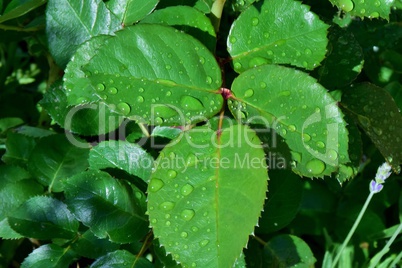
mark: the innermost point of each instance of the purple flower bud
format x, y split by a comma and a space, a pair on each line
375, 187
383, 172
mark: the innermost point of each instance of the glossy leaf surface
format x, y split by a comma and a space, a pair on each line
166, 87
70, 23
203, 186
43, 217
49, 256
278, 31
122, 155
121, 259
131, 11
370, 9
300, 110
112, 208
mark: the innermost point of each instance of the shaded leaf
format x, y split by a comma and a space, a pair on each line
90, 246
44, 217
70, 23
87, 119
376, 112
165, 259
204, 186
395, 90
6, 232
166, 87
283, 201
241, 5
288, 251
278, 31
15, 9
49, 256
121, 259
9, 122
131, 11
344, 60
202, 5
122, 155
111, 208
187, 19
369, 9
18, 148
297, 108
55, 158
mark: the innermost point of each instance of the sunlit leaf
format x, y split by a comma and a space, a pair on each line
297, 108
121, 259
131, 11
143, 83
370, 9
205, 184
277, 31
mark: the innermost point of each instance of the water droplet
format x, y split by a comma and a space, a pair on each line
186, 189
257, 61
187, 214
364, 121
233, 39
190, 103
249, 92
306, 137
377, 3
112, 90
320, 144
346, 5
140, 90
124, 108
183, 234
168, 67
270, 53
377, 131
172, 174
332, 154
167, 223
305, 64
362, 11
237, 65
208, 80
374, 15
164, 111
315, 166
155, 185
298, 54
168, 93
266, 34
194, 229
283, 131
202, 60
166, 206
285, 93
255, 21
82, 100
204, 242
317, 110
154, 221
100, 87
158, 121
140, 99
292, 128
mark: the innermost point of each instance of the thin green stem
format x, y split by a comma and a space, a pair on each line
144, 130
216, 13
374, 261
19, 29
353, 229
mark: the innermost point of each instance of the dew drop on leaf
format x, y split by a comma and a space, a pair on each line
100, 87
292, 128
306, 137
208, 80
320, 144
346, 5
249, 93
255, 21
237, 65
158, 121
187, 189
172, 174
204, 242
187, 214
183, 234
155, 185
190, 103
113, 90
257, 61
123, 108
315, 166
166, 206
332, 154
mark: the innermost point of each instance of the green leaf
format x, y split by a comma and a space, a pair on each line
18, 148
49, 256
87, 119
368, 9
15, 9
9, 122
121, 259
297, 108
122, 155
44, 217
376, 112
344, 58
166, 132
283, 201
70, 23
395, 90
131, 11
202, 5
55, 158
241, 5
149, 81
204, 185
90, 246
280, 32
187, 19
288, 251
6, 232
34, 132
164, 258
109, 207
